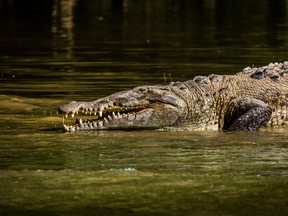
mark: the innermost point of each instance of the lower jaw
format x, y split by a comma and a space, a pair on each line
93, 125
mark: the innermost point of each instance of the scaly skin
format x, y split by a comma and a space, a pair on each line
248, 100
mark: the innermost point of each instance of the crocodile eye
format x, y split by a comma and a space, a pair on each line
142, 90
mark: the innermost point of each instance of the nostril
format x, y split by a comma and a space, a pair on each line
60, 111
69, 107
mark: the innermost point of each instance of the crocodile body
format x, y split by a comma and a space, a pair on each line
248, 100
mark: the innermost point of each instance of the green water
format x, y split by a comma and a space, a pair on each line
83, 50
144, 172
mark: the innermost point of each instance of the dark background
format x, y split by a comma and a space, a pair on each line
110, 45
213, 21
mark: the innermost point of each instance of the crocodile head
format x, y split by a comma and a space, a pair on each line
144, 107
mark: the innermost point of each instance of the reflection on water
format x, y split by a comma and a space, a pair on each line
82, 50
62, 26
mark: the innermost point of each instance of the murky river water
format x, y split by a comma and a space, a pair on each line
83, 50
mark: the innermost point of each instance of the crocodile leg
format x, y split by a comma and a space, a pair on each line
247, 114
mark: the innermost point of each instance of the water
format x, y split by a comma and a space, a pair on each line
83, 50
144, 172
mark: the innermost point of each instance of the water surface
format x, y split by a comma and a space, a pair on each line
83, 50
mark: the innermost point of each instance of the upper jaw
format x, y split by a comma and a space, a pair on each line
114, 102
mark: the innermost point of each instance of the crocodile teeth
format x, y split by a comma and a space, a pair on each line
105, 115
100, 124
113, 115
66, 128
81, 123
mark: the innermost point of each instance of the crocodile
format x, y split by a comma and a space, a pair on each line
248, 100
